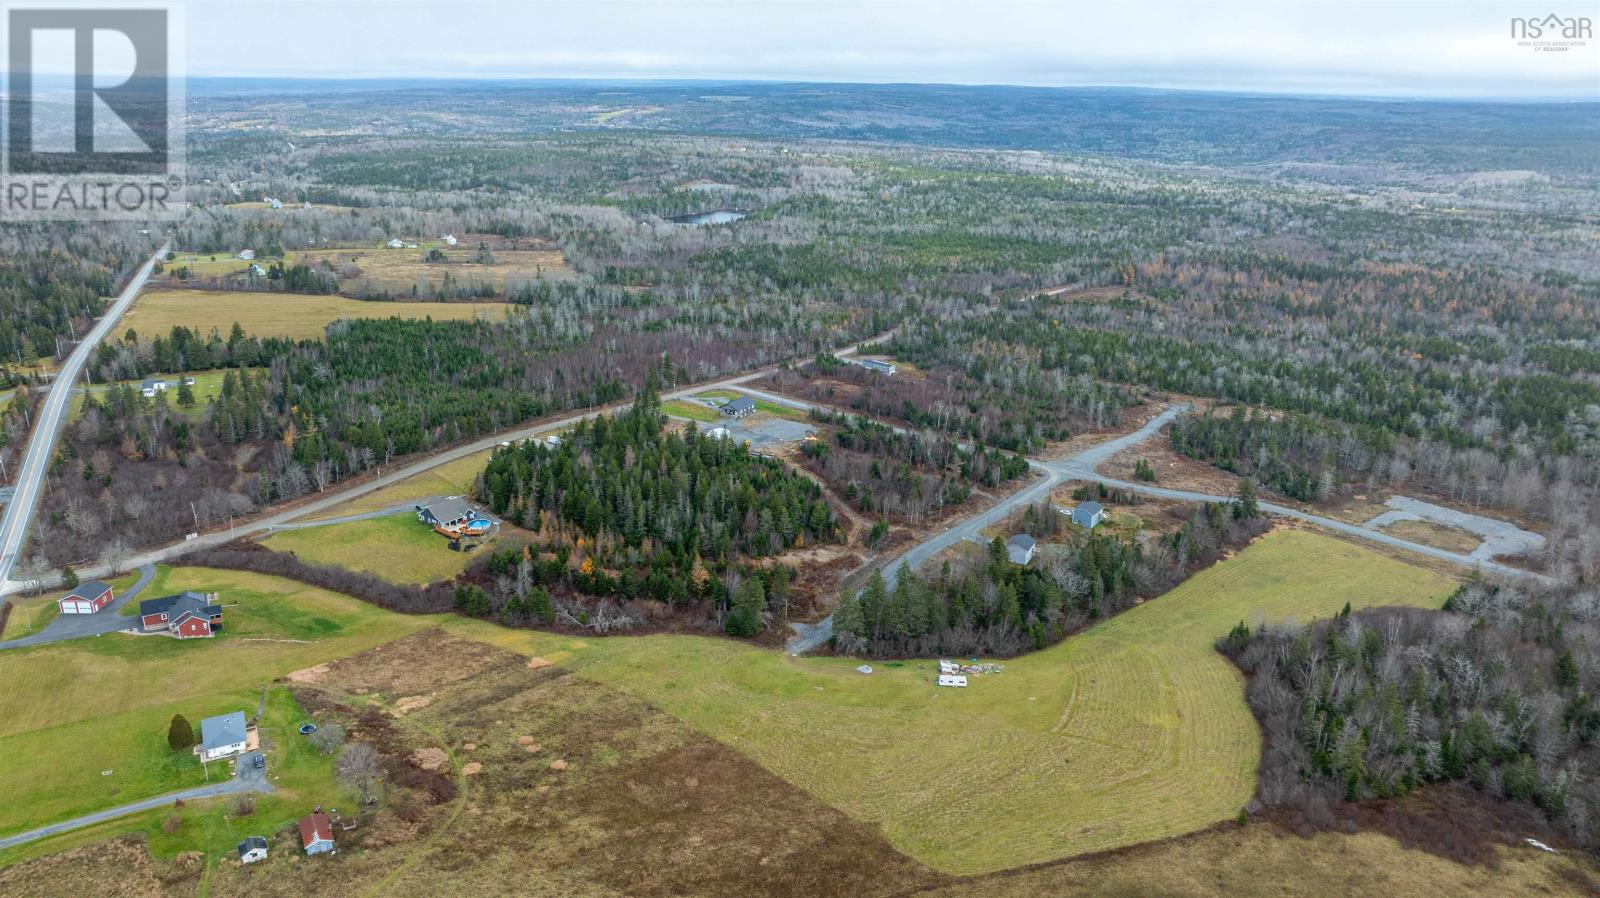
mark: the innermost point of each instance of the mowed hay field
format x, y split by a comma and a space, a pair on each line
1132, 731
294, 315
398, 547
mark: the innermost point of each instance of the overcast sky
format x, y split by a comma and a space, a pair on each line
1419, 48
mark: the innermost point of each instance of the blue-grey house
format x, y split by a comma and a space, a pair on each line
1089, 514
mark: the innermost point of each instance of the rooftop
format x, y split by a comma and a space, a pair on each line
222, 731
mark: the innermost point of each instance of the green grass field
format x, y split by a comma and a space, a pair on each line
687, 408
293, 315
453, 478
207, 386
1131, 731
398, 548
72, 710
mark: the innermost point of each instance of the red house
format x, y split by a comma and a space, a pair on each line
187, 615
87, 598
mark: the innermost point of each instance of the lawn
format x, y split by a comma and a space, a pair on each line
397, 547
454, 478
293, 315
207, 386
301, 776
691, 409
1132, 731
103, 703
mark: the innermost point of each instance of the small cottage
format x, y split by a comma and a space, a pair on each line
1020, 548
1089, 514
223, 736
252, 849
316, 833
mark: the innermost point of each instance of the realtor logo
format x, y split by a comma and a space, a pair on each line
93, 120
1552, 33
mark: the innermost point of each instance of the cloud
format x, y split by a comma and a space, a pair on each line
1424, 48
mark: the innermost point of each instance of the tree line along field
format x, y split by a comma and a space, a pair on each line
291, 315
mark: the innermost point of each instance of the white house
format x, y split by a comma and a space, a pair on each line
878, 365
396, 243
223, 736
719, 433
247, 254
257, 270
956, 680
449, 240
150, 387
252, 849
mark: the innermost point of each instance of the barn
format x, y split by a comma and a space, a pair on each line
87, 598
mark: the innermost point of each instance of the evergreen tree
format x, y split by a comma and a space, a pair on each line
180, 734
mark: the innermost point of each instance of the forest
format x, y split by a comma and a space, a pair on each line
903, 476
1496, 690
624, 509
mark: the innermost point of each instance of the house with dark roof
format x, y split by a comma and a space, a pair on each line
86, 598
252, 849
739, 406
1089, 514
223, 736
1020, 548
186, 615
449, 511
316, 833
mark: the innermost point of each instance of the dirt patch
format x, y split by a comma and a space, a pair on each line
412, 703
473, 768
431, 758
121, 867
558, 765
536, 662
413, 667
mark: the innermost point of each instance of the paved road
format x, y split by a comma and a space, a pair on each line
339, 496
52, 414
247, 779
77, 626
1085, 465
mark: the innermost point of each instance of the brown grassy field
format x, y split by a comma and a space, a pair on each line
567, 788
1437, 535
292, 315
378, 270
1263, 861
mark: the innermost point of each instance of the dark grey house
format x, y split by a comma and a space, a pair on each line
450, 511
739, 406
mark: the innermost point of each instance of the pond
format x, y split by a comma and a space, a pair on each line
721, 216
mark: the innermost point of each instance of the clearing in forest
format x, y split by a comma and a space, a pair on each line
294, 315
1134, 730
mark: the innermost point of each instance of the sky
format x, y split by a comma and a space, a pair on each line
1432, 48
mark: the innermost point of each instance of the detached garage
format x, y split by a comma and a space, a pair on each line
87, 598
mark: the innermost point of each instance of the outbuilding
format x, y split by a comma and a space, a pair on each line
1089, 514
958, 681
1020, 548
86, 598
316, 833
252, 849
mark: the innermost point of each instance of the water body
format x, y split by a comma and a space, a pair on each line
721, 216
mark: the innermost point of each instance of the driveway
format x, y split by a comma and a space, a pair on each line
77, 626
245, 779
